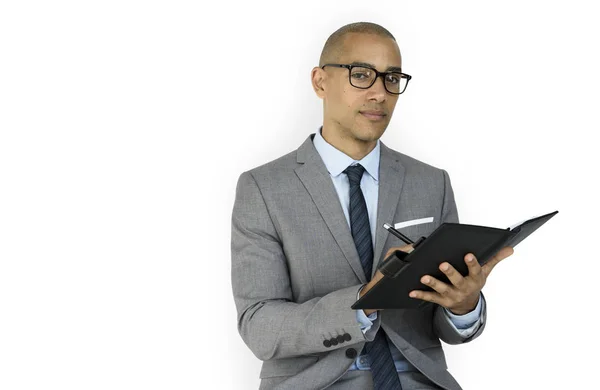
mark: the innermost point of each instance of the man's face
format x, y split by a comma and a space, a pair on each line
344, 104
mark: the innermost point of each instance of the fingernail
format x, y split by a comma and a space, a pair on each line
412, 294
444, 267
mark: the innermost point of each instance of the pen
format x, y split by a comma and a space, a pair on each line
396, 233
401, 236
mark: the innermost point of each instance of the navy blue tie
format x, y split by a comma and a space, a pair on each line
383, 369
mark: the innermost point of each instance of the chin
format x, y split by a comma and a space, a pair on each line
367, 137
369, 134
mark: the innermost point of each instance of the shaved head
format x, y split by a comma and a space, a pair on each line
334, 46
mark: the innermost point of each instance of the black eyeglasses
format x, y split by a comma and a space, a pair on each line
364, 77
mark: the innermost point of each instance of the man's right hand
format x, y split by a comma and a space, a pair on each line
378, 275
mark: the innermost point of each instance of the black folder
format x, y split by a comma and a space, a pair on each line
450, 242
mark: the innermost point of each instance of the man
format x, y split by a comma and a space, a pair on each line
307, 236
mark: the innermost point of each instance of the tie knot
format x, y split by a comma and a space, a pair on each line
354, 173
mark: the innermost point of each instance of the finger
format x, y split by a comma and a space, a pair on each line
498, 257
473, 265
507, 251
439, 286
388, 254
425, 296
453, 275
405, 248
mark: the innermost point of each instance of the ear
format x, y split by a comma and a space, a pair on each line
318, 77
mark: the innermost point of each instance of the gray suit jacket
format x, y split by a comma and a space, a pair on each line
296, 272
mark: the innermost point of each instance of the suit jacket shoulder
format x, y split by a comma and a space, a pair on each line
281, 167
409, 162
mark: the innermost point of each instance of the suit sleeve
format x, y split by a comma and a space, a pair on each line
442, 325
269, 321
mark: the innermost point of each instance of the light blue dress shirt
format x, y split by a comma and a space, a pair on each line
336, 162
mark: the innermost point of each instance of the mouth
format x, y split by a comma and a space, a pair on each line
373, 116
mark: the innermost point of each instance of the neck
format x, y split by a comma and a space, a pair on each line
347, 143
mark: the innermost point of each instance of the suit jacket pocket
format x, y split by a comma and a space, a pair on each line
288, 366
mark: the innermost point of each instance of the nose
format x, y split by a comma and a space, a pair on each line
377, 90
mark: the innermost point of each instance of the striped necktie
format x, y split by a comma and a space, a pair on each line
383, 369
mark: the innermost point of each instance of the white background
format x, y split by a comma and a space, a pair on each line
125, 125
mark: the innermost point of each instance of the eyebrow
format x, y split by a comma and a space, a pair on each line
389, 69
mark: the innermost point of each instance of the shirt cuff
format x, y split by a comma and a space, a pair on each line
467, 320
365, 321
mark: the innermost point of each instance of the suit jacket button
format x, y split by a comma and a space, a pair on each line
351, 353
341, 339
327, 343
347, 337
334, 341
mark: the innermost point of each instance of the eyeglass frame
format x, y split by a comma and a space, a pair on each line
377, 75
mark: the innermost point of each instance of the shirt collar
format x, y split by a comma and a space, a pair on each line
336, 161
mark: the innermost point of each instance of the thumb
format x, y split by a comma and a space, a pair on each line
405, 248
498, 257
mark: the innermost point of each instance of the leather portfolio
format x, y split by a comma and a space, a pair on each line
450, 242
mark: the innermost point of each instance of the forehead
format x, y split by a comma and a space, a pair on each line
382, 53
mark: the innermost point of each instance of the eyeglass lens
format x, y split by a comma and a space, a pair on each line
365, 77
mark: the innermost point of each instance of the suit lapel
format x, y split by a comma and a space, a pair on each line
316, 179
317, 182
391, 179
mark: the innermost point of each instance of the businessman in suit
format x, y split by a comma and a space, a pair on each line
307, 237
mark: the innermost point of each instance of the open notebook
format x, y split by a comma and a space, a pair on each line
449, 242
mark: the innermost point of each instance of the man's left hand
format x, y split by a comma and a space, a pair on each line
462, 295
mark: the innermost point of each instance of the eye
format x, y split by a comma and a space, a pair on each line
393, 78
360, 75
